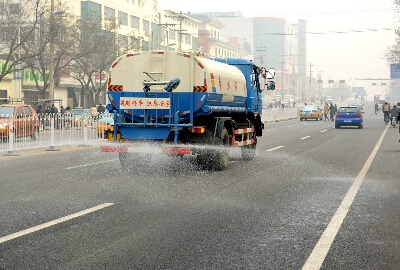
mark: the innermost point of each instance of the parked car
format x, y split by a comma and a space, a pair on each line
349, 116
24, 119
310, 112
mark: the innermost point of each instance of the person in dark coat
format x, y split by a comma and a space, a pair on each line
100, 108
332, 111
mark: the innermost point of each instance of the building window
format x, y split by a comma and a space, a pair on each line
195, 43
2, 9
109, 14
122, 18
123, 41
15, 9
146, 27
91, 11
172, 34
135, 22
154, 31
187, 39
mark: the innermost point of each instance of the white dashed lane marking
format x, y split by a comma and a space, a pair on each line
275, 148
52, 223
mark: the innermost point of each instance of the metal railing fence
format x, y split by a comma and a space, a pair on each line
51, 130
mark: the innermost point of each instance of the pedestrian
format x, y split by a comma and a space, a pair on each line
326, 111
393, 113
53, 109
376, 107
386, 111
62, 116
332, 111
100, 108
54, 114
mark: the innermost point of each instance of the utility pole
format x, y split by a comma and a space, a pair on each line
181, 18
319, 84
282, 75
51, 53
159, 31
310, 77
160, 35
180, 30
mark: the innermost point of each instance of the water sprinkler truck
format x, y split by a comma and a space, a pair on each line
186, 104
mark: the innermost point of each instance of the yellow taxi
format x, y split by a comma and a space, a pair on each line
310, 112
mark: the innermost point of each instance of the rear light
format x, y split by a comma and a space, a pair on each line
337, 115
200, 130
358, 115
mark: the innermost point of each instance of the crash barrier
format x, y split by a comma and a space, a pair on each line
279, 114
51, 130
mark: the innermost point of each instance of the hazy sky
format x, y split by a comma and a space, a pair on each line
336, 56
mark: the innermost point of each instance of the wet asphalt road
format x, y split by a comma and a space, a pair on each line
268, 213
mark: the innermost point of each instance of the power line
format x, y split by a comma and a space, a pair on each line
314, 33
337, 12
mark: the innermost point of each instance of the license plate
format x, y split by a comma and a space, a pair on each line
347, 121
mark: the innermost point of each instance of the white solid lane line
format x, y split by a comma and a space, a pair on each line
52, 223
90, 164
317, 256
275, 148
306, 137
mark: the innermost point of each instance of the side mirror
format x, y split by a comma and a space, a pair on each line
270, 73
270, 85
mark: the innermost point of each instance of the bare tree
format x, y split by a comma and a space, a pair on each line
63, 31
99, 49
393, 52
19, 24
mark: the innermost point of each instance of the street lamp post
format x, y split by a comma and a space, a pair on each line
51, 54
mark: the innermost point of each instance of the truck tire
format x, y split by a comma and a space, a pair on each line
249, 151
215, 159
221, 156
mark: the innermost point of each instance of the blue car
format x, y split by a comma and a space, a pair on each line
349, 116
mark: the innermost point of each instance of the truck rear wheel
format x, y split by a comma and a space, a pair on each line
215, 159
249, 151
221, 156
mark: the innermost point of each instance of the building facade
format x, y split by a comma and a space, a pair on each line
210, 41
